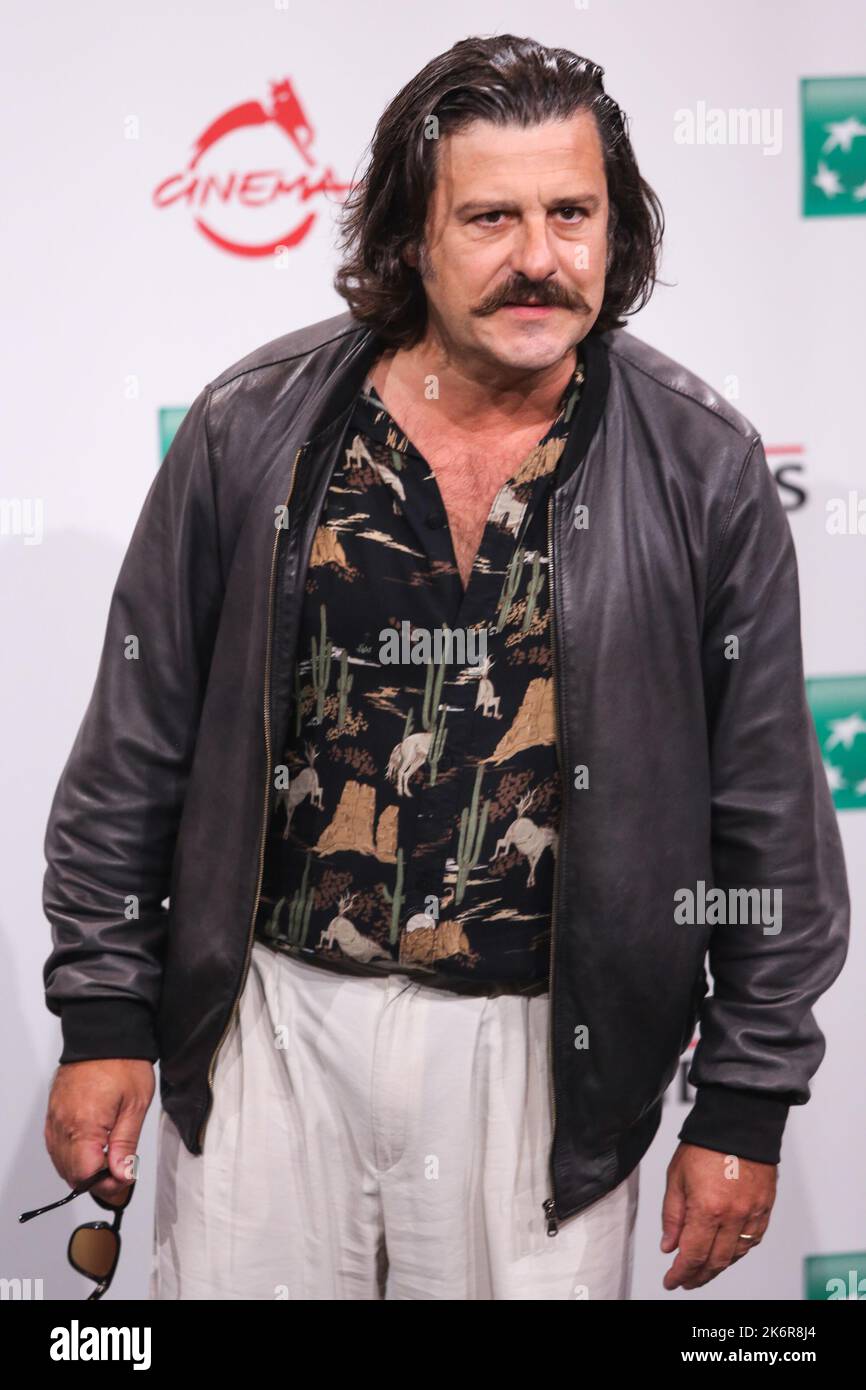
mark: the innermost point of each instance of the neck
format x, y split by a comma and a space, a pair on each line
474, 395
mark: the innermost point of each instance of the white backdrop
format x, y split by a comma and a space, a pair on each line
118, 307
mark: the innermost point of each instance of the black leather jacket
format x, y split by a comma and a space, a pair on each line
667, 538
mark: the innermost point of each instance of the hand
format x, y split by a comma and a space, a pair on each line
94, 1103
711, 1197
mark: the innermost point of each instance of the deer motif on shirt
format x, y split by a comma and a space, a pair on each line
526, 837
305, 784
350, 941
359, 453
406, 758
486, 695
507, 509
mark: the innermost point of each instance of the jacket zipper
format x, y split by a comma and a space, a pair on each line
267, 802
549, 1205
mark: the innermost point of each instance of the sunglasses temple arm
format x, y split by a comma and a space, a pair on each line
28, 1215
76, 1192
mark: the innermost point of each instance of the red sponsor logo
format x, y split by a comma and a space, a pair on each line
240, 205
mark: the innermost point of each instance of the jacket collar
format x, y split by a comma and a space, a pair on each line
593, 399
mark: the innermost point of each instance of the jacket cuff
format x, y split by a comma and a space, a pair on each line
746, 1123
96, 1028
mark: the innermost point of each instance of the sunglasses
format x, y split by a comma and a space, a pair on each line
94, 1246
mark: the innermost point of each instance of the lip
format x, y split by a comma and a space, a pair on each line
529, 311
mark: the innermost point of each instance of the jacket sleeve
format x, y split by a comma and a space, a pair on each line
774, 827
111, 832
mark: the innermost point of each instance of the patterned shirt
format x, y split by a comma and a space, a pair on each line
416, 818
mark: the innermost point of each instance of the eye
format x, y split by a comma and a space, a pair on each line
576, 215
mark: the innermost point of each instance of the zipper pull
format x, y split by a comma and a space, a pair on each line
550, 1211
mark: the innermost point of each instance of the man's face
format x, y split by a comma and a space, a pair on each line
517, 214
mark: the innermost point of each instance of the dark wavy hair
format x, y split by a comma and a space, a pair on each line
507, 81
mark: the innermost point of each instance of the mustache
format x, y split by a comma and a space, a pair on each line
543, 294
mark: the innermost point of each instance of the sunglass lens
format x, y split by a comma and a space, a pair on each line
93, 1251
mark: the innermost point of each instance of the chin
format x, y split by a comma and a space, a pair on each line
541, 346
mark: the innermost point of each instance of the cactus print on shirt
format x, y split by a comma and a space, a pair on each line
415, 820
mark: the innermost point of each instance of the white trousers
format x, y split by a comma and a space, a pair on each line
378, 1139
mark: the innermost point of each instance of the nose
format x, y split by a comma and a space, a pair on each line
532, 251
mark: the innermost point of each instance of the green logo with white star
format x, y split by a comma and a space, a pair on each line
170, 417
838, 705
833, 1277
834, 146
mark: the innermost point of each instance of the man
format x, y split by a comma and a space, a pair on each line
438, 915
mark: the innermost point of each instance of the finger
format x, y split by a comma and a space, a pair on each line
123, 1142
86, 1156
76, 1147
728, 1246
726, 1249
695, 1244
114, 1202
754, 1227
77, 1130
673, 1214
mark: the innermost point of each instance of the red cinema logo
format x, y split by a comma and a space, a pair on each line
252, 176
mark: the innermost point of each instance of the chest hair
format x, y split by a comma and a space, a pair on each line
469, 473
